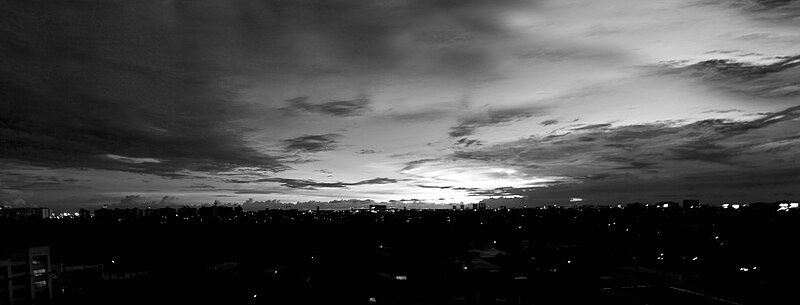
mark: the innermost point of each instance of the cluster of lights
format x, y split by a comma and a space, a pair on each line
746, 269
734, 206
67, 215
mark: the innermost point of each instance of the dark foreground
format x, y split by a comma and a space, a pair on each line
634, 255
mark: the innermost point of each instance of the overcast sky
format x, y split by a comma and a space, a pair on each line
443, 101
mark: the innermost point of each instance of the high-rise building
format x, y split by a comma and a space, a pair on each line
26, 276
85, 214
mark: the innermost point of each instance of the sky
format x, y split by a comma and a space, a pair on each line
438, 101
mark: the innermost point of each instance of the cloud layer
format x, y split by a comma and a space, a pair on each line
444, 101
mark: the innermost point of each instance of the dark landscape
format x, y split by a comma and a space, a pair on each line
631, 254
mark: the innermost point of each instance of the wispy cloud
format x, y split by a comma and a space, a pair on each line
312, 143
468, 125
342, 108
311, 184
775, 80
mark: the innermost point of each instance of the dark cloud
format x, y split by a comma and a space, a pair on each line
160, 80
311, 184
334, 108
777, 80
723, 111
718, 187
653, 152
36, 183
367, 152
549, 122
312, 143
83, 80
416, 163
467, 125
421, 116
433, 186
468, 142
202, 186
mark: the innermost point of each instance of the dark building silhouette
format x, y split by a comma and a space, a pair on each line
691, 203
23, 214
26, 276
219, 212
106, 215
187, 213
85, 214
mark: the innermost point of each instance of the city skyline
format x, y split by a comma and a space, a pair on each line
439, 101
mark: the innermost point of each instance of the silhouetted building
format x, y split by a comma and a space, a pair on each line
377, 207
21, 214
218, 212
481, 206
634, 206
117, 215
85, 214
187, 212
474, 206
691, 203
26, 276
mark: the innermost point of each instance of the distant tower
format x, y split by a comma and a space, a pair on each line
85, 214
